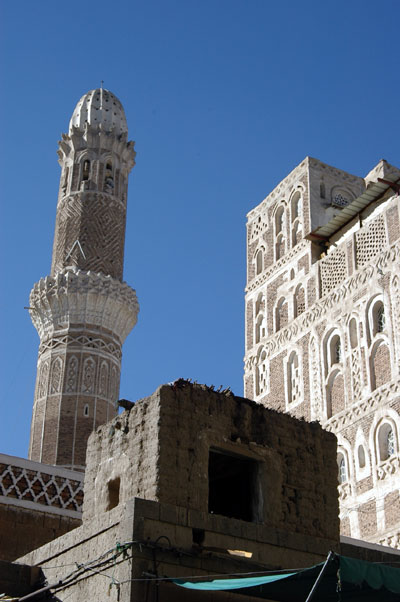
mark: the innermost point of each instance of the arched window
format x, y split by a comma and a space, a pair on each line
296, 205
281, 314
260, 328
361, 456
353, 333
342, 469
279, 220
337, 351
386, 441
380, 319
280, 246
261, 373
322, 190
86, 410
86, 170
297, 233
299, 301
380, 363
376, 318
294, 390
335, 394
108, 178
260, 303
259, 262
334, 350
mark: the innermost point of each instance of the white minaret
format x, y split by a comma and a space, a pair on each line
83, 311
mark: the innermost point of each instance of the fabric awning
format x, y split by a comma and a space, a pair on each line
357, 580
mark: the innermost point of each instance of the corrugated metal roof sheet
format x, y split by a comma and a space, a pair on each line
373, 192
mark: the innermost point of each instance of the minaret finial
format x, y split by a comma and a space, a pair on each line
101, 83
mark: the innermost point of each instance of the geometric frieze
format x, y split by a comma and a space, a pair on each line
387, 261
392, 541
388, 467
87, 375
81, 342
363, 407
60, 490
277, 265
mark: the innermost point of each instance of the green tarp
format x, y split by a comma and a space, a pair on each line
355, 579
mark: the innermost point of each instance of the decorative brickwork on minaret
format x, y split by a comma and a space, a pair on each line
83, 311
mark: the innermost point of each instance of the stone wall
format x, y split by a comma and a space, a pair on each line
120, 553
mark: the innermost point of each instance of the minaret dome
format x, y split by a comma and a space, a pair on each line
99, 108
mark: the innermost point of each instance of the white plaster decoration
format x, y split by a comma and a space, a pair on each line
278, 265
76, 297
387, 260
35, 485
388, 467
79, 342
352, 288
364, 406
72, 375
332, 271
88, 374
370, 240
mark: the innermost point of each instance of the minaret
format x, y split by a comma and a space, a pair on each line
83, 311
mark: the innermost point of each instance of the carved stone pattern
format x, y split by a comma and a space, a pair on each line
43, 380
98, 222
333, 271
316, 408
103, 380
297, 250
72, 375
50, 490
344, 490
395, 299
392, 541
257, 228
389, 467
56, 375
356, 374
88, 374
81, 341
276, 342
114, 380
102, 300
363, 407
370, 241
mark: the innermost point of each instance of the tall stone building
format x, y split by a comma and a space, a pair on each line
83, 311
323, 326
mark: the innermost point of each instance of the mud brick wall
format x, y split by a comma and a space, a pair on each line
159, 450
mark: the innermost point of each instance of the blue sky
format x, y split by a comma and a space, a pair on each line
223, 99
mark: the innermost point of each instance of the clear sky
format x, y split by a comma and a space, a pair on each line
223, 98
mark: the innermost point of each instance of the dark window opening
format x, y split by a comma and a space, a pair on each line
86, 170
198, 536
113, 493
232, 486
